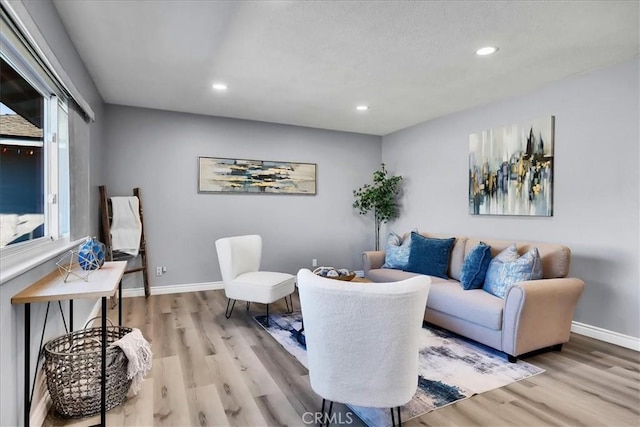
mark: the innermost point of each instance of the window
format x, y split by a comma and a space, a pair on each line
34, 155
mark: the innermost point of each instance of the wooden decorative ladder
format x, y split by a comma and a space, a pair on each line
106, 218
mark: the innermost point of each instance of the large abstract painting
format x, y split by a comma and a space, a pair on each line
511, 169
220, 175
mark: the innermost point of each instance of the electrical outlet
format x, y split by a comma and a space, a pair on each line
158, 271
314, 262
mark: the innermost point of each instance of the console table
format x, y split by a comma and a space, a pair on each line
101, 283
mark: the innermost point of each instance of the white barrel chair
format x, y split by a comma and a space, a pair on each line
362, 339
239, 259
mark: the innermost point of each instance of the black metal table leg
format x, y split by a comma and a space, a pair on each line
120, 303
70, 315
27, 356
103, 382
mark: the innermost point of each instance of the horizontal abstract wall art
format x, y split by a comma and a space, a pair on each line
511, 169
220, 175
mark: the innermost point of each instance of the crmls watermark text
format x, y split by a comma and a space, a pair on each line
323, 418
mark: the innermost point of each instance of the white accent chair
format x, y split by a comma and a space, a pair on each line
239, 259
362, 339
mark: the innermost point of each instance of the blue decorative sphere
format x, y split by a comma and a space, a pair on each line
91, 254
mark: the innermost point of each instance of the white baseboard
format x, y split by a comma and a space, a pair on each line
173, 289
595, 332
41, 403
606, 335
160, 290
94, 314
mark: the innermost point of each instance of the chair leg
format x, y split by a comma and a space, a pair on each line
299, 335
227, 313
248, 302
289, 303
393, 418
267, 319
326, 416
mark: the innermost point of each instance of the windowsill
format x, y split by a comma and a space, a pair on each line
19, 263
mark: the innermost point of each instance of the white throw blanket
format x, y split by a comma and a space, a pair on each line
126, 227
138, 351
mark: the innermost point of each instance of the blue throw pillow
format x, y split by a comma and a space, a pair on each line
475, 267
507, 268
429, 256
396, 252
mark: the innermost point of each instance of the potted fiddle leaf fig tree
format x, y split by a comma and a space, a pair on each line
379, 197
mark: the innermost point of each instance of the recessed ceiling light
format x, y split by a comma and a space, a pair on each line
219, 86
362, 107
487, 50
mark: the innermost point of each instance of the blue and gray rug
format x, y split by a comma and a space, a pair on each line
451, 368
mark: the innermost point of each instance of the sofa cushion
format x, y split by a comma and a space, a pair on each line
508, 268
556, 259
396, 251
390, 275
475, 267
430, 256
475, 305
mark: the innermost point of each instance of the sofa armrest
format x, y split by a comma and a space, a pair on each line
372, 260
538, 314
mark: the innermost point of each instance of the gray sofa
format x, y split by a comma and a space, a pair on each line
533, 315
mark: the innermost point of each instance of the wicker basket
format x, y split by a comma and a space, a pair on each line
73, 364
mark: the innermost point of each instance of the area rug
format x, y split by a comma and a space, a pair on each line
451, 368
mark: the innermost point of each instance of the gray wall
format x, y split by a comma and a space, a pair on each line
89, 155
596, 193
596, 196
158, 152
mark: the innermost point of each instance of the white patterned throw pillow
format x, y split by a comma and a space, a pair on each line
397, 251
508, 268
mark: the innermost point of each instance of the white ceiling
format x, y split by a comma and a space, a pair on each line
309, 63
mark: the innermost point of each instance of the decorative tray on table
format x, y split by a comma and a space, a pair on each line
335, 273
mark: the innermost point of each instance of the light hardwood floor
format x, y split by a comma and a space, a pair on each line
211, 371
